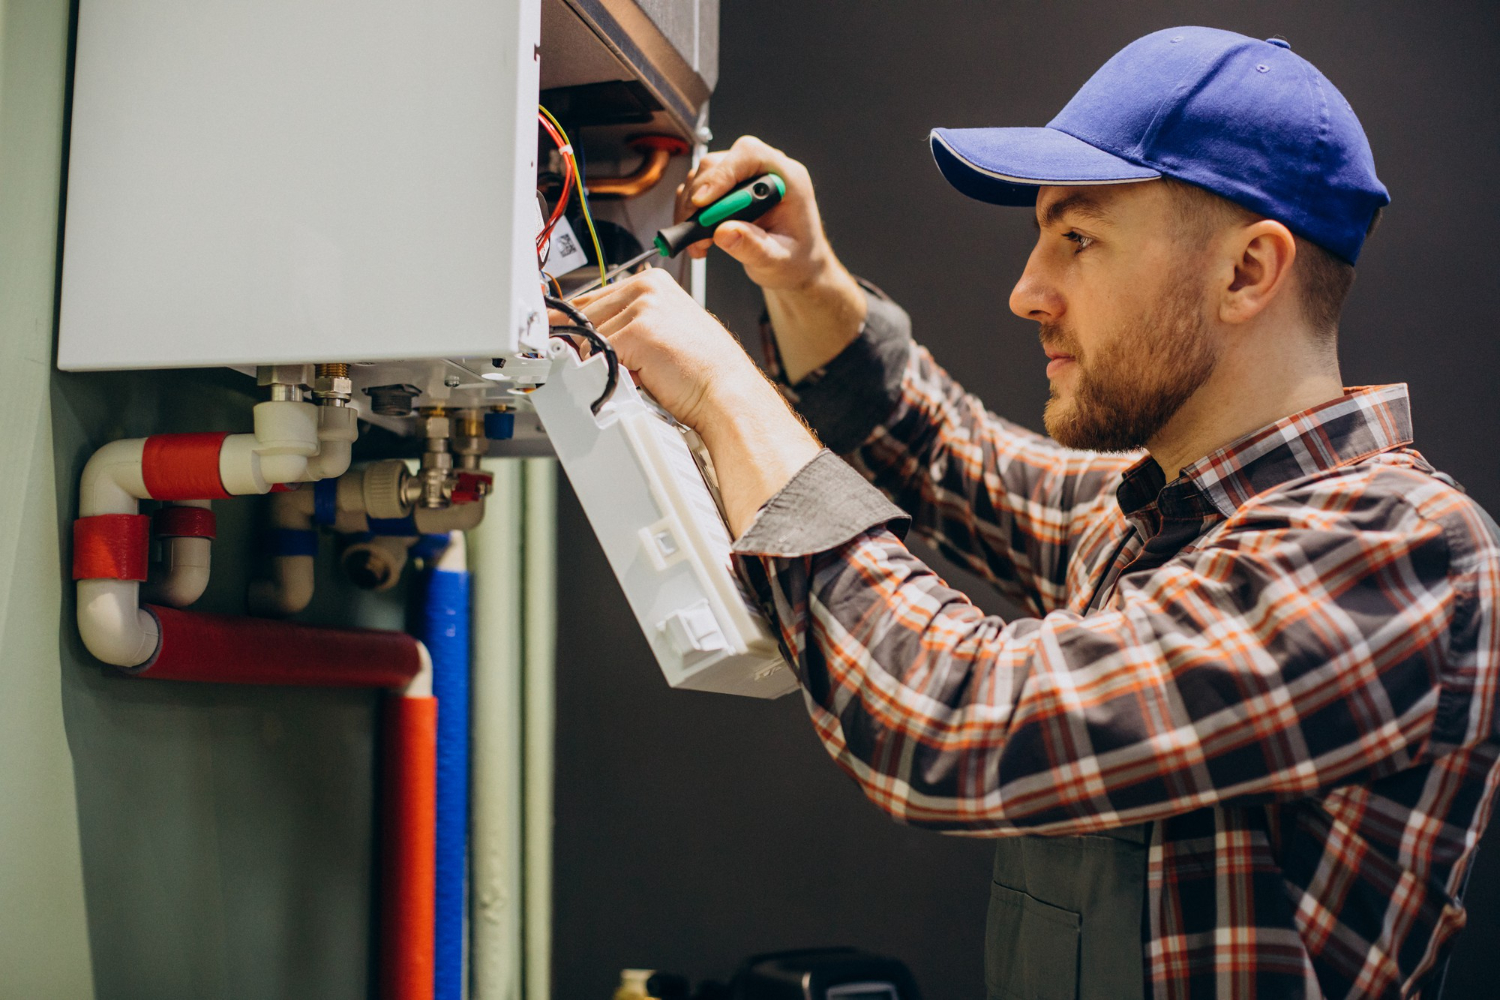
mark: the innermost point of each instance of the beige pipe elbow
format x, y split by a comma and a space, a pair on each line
113, 625
290, 588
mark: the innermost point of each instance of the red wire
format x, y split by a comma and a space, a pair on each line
570, 170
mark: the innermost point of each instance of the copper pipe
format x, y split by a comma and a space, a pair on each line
640, 182
658, 151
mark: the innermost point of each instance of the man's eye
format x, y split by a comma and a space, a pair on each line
1083, 242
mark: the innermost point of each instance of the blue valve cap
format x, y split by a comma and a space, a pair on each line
499, 426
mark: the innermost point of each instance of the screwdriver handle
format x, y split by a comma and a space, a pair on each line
745, 203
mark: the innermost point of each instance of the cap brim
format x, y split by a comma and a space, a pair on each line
1005, 166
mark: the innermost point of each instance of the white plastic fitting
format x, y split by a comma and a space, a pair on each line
285, 438
338, 428
288, 437
290, 588
114, 627
112, 480
184, 567
111, 621
420, 686
379, 560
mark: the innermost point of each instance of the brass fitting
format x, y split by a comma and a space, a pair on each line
331, 384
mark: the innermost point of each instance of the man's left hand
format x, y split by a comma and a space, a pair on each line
683, 356
698, 371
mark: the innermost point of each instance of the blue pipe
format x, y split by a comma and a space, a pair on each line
445, 627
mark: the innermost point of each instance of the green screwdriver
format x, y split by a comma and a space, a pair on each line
745, 203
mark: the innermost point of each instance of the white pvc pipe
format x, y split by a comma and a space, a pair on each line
420, 686
110, 620
113, 625
285, 438
185, 565
112, 481
290, 588
539, 515
496, 828
337, 431
458, 517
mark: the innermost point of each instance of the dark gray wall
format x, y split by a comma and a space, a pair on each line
695, 829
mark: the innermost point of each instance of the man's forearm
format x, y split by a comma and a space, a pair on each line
757, 445
815, 322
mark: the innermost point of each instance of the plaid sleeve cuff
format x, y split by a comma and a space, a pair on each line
846, 399
824, 506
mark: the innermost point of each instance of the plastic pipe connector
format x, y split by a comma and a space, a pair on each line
112, 480
338, 429
185, 567
290, 588
113, 625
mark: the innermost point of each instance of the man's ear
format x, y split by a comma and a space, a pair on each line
1263, 253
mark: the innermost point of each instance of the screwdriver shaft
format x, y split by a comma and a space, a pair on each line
632, 262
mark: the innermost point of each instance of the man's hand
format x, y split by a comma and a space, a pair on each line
700, 374
816, 307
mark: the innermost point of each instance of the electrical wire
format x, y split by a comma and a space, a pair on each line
581, 327
583, 197
555, 286
570, 171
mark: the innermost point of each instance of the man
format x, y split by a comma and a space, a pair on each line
1248, 741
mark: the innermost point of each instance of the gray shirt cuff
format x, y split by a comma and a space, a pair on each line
846, 399
825, 505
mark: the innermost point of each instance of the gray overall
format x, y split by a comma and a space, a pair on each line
1067, 914
1065, 918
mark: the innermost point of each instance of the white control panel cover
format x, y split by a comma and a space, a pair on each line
661, 530
301, 181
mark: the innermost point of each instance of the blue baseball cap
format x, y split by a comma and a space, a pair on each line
1249, 120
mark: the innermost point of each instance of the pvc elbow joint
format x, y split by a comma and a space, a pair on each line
113, 625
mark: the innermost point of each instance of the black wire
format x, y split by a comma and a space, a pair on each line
581, 327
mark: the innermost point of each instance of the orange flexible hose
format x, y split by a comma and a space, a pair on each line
409, 849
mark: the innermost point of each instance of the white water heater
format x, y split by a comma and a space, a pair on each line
356, 185
291, 181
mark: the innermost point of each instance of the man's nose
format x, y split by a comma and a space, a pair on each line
1035, 296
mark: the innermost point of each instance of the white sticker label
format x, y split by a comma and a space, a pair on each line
563, 251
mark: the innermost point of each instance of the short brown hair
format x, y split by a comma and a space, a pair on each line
1323, 277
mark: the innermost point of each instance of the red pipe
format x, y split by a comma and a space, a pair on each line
222, 649
408, 910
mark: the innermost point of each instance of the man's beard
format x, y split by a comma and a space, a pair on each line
1127, 391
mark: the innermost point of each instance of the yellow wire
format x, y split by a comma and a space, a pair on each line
583, 198
555, 286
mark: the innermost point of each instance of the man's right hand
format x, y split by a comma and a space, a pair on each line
816, 307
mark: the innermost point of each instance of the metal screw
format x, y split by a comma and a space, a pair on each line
452, 381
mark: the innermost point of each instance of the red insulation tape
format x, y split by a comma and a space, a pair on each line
409, 849
183, 522
183, 466
111, 547
225, 649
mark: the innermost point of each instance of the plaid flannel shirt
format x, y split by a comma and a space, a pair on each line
1286, 661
